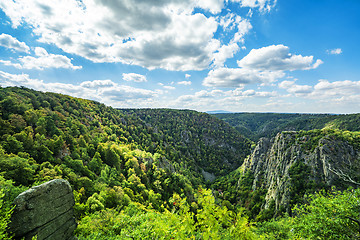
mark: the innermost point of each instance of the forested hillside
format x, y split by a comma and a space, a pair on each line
142, 173
257, 125
198, 139
113, 159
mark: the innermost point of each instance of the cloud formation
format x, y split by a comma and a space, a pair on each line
134, 77
263, 5
336, 51
264, 65
10, 42
214, 99
151, 34
277, 58
238, 77
184, 83
337, 92
43, 60
105, 91
298, 90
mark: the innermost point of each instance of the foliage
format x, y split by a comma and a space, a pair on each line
257, 125
138, 222
329, 216
136, 173
8, 192
332, 215
198, 139
5, 214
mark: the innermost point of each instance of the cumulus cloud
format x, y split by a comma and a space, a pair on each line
339, 89
10, 42
291, 87
100, 90
335, 51
330, 93
264, 65
151, 34
184, 83
187, 75
219, 99
214, 6
134, 77
9, 63
42, 61
231, 22
97, 84
224, 53
237, 77
277, 58
263, 5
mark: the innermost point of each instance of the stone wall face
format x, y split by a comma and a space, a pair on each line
332, 162
45, 211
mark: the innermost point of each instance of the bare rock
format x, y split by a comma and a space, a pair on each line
45, 211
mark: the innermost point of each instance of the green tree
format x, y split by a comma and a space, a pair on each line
5, 214
329, 216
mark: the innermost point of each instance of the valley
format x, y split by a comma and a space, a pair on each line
183, 174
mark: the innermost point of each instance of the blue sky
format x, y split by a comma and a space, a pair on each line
234, 55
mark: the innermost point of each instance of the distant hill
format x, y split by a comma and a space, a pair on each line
217, 111
257, 125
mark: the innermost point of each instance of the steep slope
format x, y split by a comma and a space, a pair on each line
108, 157
199, 140
125, 169
293, 164
46, 135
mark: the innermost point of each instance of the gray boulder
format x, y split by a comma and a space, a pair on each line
45, 211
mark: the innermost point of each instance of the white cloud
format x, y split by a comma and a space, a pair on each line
339, 89
187, 75
184, 83
264, 66
224, 53
214, 6
291, 87
97, 84
169, 87
9, 63
335, 96
277, 58
208, 94
263, 5
9, 41
42, 61
237, 77
243, 27
168, 34
335, 51
105, 91
231, 22
218, 99
122, 92
134, 77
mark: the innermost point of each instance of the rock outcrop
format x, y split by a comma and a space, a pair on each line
291, 164
45, 211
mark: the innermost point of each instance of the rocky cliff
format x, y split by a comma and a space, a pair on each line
294, 164
45, 211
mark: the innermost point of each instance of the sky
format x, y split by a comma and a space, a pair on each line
293, 56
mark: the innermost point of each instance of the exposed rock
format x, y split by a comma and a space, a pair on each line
208, 176
45, 211
331, 162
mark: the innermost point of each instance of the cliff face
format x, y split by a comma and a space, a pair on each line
291, 165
